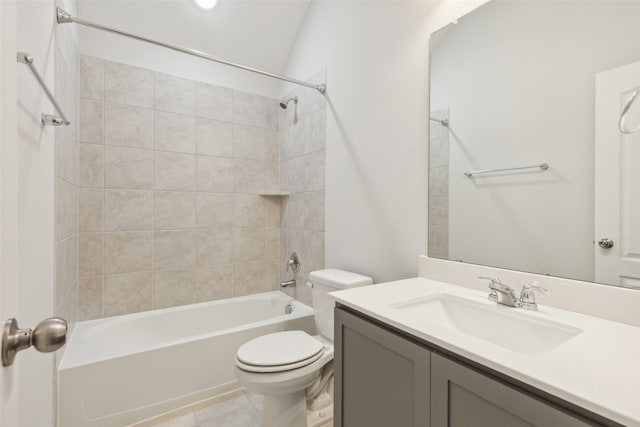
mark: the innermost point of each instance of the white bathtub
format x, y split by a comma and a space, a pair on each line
125, 369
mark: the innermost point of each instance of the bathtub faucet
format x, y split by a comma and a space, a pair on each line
288, 283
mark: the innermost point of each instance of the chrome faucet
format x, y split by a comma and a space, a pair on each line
504, 294
500, 292
527, 298
294, 264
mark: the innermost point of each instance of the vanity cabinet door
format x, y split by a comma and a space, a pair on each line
381, 379
462, 397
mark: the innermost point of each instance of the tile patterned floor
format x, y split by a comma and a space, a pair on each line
234, 409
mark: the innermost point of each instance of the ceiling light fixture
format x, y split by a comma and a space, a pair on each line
206, 4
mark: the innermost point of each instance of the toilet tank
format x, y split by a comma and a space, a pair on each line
330, 280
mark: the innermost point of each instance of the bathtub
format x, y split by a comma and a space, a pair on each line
121, 370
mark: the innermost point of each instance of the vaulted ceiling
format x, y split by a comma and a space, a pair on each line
257, 33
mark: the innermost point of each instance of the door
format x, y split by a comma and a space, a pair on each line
617, 192
26, 208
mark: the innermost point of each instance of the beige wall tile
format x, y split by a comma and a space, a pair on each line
313, 249
293, 211
272, 276
248, 244
174, 171
314, 127
249, 109
173, 210
91, 166
314, 210
126, 252
439, 181
67, 309
248, 211
66, 253
91, 121
126, 126
439, 242
174, 94
222, 245
214, 102
248, 176
215, 174
272, 147
127, 293
91, 77
174, 132
215, 210
271, 177
66, 209
314, 171
66, 154
128, 168
214, 282
303, 293
249, 278
439, 151
173, 287
128, 210
295, 174
250, 142
90, 298
125, 84
272, 243
173, 249
90, 254
272, 210
438, 211
214, 138
90, 210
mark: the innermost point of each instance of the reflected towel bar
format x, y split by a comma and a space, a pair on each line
625, 110
47, 119
543, 166
443, 122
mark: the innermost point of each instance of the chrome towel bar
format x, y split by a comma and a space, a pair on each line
543, 166
47, 119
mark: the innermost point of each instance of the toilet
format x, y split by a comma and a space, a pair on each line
292, 369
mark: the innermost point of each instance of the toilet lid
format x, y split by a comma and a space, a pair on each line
280, 348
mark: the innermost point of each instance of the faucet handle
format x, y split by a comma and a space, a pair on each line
491, 279
527, 296
493, 295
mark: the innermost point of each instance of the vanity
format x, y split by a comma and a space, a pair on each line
422, 352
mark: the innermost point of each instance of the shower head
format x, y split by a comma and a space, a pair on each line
285, 103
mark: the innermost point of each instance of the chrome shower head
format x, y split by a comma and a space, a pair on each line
285, 103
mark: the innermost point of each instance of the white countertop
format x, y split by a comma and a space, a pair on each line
599, 369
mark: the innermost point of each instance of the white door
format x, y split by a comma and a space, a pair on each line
617, 179
26, 211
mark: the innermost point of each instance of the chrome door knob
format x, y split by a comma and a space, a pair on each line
605, 243
48, 336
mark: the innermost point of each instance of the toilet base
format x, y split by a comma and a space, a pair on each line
285, 410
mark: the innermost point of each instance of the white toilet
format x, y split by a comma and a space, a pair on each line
291, 367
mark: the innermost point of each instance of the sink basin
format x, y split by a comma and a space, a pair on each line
506, 327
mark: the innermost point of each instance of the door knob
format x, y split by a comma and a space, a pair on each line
48, 336
605, 243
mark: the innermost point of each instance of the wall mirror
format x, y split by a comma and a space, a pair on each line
537, 88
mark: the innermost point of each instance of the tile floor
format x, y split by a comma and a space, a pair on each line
238, 408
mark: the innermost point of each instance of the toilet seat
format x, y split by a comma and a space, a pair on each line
278, 352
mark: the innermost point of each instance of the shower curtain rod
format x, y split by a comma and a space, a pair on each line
63, 18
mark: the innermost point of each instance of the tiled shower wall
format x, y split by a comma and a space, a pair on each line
169, 172
302, 174
439, 186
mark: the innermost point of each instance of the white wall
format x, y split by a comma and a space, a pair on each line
519, 96
376, 54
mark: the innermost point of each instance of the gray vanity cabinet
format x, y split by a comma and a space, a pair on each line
385, 379
462, 397
381, 379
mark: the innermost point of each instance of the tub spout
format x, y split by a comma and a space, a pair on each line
288, 283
